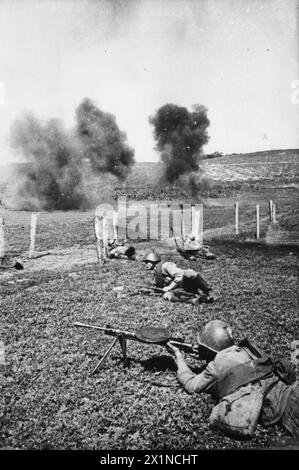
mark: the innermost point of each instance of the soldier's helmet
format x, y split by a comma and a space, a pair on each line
216, 335
152, 257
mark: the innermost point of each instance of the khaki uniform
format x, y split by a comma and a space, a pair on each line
281, 401
187, 279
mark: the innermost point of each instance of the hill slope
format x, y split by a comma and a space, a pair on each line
223, 176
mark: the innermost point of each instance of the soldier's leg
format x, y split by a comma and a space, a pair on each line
180, 297
186, 297
171, 297
194, 281
202, 284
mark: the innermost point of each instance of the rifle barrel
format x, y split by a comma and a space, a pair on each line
108, 331
187, 347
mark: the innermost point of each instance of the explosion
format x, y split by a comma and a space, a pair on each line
52, 178
180, 136
103, 143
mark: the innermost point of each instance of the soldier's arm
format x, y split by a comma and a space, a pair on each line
171, 269
191, 382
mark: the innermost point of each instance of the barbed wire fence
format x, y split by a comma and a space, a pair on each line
183, 219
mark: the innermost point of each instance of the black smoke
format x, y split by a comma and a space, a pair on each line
103, 142
52, 178
180, 136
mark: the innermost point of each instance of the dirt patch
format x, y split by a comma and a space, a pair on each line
63, 260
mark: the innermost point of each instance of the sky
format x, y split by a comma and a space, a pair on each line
239, 58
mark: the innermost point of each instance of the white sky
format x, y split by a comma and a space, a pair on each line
237, 57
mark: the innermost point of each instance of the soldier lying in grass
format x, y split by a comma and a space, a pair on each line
178, 285
121, 251
235, 365
192, 249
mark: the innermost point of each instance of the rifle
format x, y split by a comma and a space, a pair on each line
158, 290
145, 334
147, 290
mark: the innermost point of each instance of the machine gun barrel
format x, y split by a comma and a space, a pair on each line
122, 337
108, 330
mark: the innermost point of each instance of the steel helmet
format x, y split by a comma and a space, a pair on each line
216, 335
151, 256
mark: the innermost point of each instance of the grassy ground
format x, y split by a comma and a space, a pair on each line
48, 399
66, 229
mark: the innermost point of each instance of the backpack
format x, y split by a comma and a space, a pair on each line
241, 393
237, 414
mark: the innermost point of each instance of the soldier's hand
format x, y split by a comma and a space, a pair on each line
166, 289
173, 349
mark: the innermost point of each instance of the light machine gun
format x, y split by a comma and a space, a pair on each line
149, 335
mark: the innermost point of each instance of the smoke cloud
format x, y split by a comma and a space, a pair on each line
103, 143
180, 136
52, 178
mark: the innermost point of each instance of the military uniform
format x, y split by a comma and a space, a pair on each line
122, 252
184, 284
239, 365
191, 281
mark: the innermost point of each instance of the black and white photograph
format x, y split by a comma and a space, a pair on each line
149, 228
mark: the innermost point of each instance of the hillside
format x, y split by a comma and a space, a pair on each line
223, 176
254, 166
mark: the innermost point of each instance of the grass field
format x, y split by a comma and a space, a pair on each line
49, 400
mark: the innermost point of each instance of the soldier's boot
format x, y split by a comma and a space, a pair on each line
206, 253
210, 297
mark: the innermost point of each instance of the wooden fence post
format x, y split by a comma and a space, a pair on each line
274, 213
271, 210
170, 219
236, 218
98, 228
2, 239
33, 224
196, 224
193, 219
182, 222
115, 225
105, 238
257, 221
199, 223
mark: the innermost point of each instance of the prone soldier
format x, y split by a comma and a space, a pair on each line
121, 251
234, 365
178, 285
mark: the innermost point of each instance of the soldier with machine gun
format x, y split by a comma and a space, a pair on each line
236, 365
